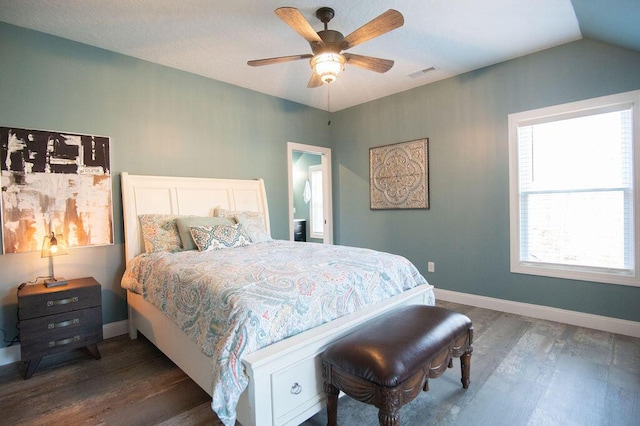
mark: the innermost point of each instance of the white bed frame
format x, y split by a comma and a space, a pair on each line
285, 386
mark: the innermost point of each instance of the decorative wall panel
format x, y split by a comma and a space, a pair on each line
399, 175
54, 181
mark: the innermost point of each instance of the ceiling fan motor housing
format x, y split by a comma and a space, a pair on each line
332, 42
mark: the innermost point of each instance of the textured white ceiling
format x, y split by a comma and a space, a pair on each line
215, 39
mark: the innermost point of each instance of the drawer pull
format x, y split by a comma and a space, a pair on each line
296, 388
62, 301
52, 325
64, 341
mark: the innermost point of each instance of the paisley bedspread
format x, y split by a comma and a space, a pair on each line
235, 301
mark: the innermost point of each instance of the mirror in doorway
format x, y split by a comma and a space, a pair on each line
307, 197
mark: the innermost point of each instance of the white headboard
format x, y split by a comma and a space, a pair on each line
184, 196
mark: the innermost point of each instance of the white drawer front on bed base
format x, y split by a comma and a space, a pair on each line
296, 388
273, 398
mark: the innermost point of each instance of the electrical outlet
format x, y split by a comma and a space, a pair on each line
431, 266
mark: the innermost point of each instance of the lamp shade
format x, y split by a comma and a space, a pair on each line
328, 66
54, 245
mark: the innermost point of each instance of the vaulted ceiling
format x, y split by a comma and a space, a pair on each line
439, 38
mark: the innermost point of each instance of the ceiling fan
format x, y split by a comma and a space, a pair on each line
327, 60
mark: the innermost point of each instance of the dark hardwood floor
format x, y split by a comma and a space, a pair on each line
523, 372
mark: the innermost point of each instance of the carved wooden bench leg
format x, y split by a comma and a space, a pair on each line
389, 418
389, 401
332, 404
465, 364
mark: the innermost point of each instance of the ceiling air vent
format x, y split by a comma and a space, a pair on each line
421, 73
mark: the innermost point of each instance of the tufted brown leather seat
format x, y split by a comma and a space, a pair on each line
390, 359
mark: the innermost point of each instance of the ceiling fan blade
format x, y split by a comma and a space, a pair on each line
314, 81
389, 20
269, 61
292, 17
369, 62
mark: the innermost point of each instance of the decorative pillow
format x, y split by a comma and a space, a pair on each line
160, 232
219, 237
254, 226
184, 223
253, 223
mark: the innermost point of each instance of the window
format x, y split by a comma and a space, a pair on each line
573, 191
316, 212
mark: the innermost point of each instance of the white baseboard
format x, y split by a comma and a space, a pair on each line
114, 329
9, 354
12, 353
597, 322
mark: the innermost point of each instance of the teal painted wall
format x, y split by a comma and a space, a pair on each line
466, 230
161, 122
167, 122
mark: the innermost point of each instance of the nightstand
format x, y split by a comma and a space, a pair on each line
59, 319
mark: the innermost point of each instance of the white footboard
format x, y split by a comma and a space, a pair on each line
285, 386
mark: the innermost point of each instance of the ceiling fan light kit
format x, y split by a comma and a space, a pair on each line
328, 66
327, 60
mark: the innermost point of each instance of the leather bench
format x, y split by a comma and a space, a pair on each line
390, 359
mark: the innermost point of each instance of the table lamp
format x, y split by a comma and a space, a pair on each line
54, 245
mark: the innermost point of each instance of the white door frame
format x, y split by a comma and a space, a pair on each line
327, 190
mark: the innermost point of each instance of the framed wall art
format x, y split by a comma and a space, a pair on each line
399, 175
54, 182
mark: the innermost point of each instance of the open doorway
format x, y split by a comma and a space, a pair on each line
310, 193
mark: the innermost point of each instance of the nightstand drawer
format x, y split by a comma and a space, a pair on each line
53, 325
60, 341
78, 294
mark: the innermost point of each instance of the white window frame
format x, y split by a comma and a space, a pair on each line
627, 277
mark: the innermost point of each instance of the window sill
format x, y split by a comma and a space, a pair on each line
604, 276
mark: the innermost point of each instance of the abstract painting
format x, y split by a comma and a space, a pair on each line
54, 181
399, 175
